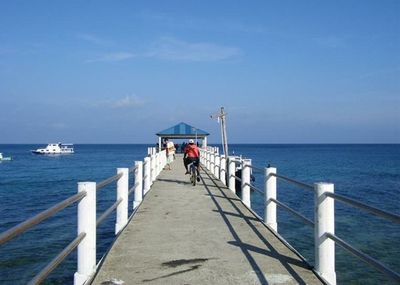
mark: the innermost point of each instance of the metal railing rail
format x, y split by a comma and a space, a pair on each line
133, 168
315, 189
108, 181
259, 169
372, 210
44, 215
107, 212
42, 275
295, 213
295, 182
28, 224
254, 188
365, 257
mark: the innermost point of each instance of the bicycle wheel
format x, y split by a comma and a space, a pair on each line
193, 176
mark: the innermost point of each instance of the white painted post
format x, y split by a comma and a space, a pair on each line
270, 193
216, 166
164, 159
246, 170
324, 223
212, 161
208, 158
231, 174
156, 164
138, 184
122, 193
147, 175
222, 175
86, 224
153, 166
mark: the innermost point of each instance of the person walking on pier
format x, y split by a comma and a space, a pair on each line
170, 151
192, 154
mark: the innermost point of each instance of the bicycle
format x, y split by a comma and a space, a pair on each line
193, 173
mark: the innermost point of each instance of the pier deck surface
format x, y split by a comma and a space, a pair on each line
203, 234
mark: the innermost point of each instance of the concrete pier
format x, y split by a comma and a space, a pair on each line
203, 234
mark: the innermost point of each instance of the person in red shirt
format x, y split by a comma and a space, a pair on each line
192, 154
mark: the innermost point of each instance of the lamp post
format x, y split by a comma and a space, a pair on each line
221, 116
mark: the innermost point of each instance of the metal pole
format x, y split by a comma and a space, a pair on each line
324, 223
86, 224
224, 136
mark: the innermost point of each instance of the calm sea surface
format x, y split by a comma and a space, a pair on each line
370, 173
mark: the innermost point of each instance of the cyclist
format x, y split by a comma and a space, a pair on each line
192, 154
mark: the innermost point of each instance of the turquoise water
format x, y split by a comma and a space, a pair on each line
370, 173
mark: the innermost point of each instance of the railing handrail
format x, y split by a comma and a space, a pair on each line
132, 169
352, 202
107, 212
108, 181
41, 276
373, 210
254, 188
294, 212
295, 182
28, 224
365, 257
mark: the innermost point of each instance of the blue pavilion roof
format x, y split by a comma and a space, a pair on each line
182, 130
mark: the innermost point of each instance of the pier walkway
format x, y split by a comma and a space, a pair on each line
203, 234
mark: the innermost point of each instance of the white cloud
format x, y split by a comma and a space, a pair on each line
172, 49
168, 48
113, 57
127, 102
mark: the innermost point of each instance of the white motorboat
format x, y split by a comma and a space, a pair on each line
55, 148
2, 158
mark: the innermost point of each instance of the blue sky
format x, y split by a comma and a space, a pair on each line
120, 71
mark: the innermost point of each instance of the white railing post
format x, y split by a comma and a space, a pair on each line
208, 159
212, 161
324, 223
231, 174
246, 172
138, 184
217, 166
86, 224
222, 174
156, 164
163, 159
270, 193
147, 175
152, 170
122, 193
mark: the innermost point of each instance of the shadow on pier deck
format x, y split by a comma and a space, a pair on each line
203, 234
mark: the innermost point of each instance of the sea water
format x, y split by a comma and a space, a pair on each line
369, 173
